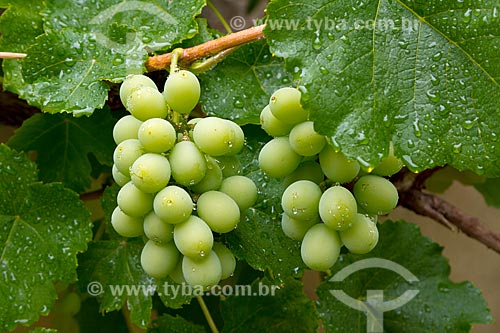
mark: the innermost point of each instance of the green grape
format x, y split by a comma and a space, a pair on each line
159, 260
237, 138
213, 136
227, 260
71, 303
203, 273
300, 200
230, 165
308, 170
133, 201
218, 210
132, 82
182, 91
193, 237
389, 165
158, 230
277, 158
173, 204
320, 247
187, 163
241, 189
296, 229
213, 177
157, 135
375, 194
304, 139
337, 208
125, 155
272, 125
126, 128
125, 225
119, 177
176, 275
150, 172
362, 236
336, 166
285, 106
145, 103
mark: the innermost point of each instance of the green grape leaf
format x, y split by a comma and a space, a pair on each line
177, 324
63, 142
258, 239
43, 227
490, 189
282, 308
240, 86
424, 75
437, 307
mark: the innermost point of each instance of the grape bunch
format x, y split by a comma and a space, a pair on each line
179, 180
329, 201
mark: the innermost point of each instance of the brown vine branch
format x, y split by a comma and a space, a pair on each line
207, 49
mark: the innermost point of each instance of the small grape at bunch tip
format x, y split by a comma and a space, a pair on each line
319, 210
179, 180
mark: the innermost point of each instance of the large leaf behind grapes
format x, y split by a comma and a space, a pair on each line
424, 75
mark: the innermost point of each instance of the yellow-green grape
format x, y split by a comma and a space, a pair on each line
187, 163
300, 200
145, 103
157, 135
125, 225
277, 158
241, 189
218, 210
337, 208
272, 125
362, 236
213, 136
304, 139
176, 275
237, 138
132, 82
227, 260
193, 238
125, 128
230, 165
119, 177
158, 230
336, 166
307, 170
150, 172
213, 177
389, 166
376, 194
204, 273
296, 229
159, 260
285, 105
125, 155
71, 304
133, 201
173, 204
182, 91
320, 247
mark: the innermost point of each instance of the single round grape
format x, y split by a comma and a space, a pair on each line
159, 260
230, 165
300, 200
71, 303
237, 138
125, 155
277, 158
125, 225
158, 230
213, 177
218, 210
307, 170
157, 135
182, 91
304, 139
285, 105
320, 247
296, 229
193, 238
375, 194
336, 166
272, 125
213, 136
203, 273
337, 208
187, 163
119, 177
150, 172
133, 201
227, 260
241, 189
126, 127
389, 165
361, 237
132, 82
173, 204
176, 275
145, 103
